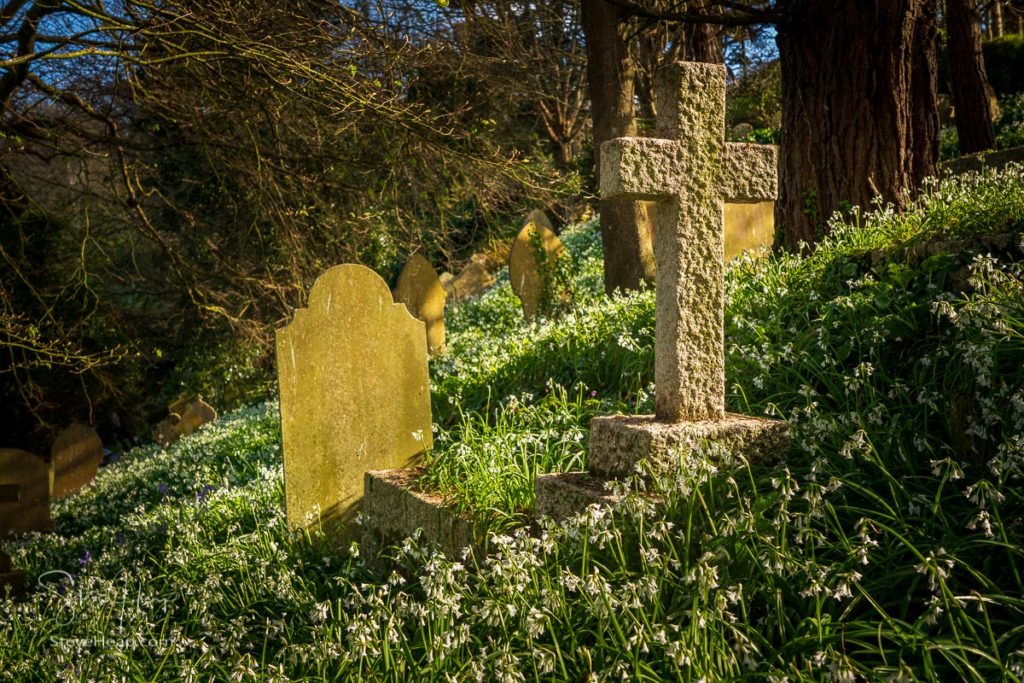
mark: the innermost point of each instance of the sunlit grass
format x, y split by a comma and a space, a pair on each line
887, 546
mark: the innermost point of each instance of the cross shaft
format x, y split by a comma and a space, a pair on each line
690, 172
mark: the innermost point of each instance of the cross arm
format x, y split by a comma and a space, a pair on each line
749, 172
640, 168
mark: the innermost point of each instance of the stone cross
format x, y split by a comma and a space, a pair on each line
690, 171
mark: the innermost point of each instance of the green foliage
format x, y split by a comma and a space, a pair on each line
1010, 126
888, 545
756, 100
1004, 63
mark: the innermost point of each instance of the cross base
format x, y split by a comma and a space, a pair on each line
561, 495
619, 442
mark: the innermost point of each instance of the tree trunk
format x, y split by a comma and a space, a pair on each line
859, 108
702, 43
625, 225
970, 86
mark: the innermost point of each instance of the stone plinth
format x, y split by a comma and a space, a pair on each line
562, 495
394, 510
619, 442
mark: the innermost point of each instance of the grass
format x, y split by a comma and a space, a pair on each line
887, 546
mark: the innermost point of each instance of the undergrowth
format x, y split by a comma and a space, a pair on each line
888, 545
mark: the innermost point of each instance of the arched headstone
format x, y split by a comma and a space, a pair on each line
533, 266
420, 289
75, 458
471, 280
24, 493
748, 226
185, 417
355, 394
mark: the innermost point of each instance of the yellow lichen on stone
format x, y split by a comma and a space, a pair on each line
355, 395
533, 262
423, 294
748, 226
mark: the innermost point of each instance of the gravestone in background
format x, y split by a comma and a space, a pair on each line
184, 418
25, 480
471, 280
532, 265
355, 395
690, 171
421, 291
75, 458
748, 226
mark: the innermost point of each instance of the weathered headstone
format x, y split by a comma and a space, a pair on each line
471, 280
421, 291
185, 418
355, 395
690, 171
748, 226
533, 266
75, 458
25, 504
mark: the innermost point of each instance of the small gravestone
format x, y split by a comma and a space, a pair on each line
748, 226
471, 280
74, 460
690, 171
25, 482
534, 267
355, 395
184, 418
421, 291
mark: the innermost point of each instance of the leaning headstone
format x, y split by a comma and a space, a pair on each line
75, 458
421, 291
184, 418
690, 171
471, 280
533, 266
355, 395
25, 482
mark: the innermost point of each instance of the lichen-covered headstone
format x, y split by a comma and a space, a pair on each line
185, 418
25, 480
535, 265
355, 395
75, 458
690, 171
748, 226
420, 289
471, 280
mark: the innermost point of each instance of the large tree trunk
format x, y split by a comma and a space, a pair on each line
859, 108
971, 91
625, 225
702, 43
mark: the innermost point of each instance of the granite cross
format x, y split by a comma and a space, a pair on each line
690, 171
